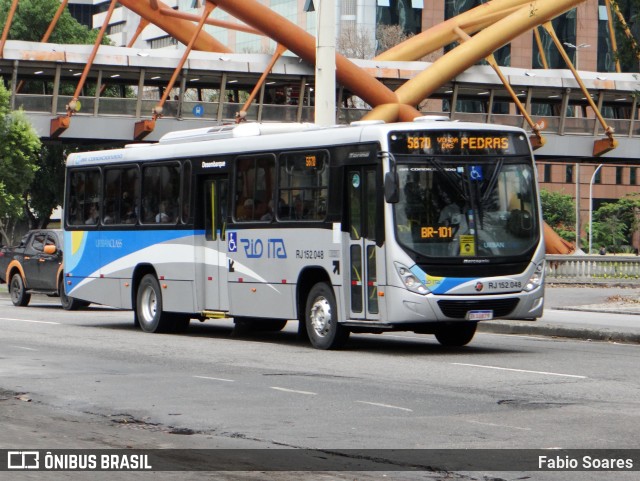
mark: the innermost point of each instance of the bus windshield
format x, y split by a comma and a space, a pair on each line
471, 206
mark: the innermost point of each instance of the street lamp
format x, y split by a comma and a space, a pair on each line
577, 49
591, 205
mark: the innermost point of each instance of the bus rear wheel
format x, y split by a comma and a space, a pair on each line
69, 303
19, 295
149, 314
321, 318
457, 335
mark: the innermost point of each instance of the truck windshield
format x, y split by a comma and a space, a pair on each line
466, 206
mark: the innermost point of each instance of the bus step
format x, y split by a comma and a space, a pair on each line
215, 314
368, 324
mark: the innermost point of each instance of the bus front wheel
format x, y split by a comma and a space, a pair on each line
321, 318
457, 335
149, 314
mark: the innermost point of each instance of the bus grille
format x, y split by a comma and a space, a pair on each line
458, 309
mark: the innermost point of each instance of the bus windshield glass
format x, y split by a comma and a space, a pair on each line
473, 197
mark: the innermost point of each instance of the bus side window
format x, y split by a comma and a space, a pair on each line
84, 197
160, 194
255, 180
303, 185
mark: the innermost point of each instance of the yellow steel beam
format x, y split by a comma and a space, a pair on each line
601, 146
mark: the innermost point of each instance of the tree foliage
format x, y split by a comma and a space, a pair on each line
559, 212
19, 149
42, 188
627, 36
614, 223
32, 20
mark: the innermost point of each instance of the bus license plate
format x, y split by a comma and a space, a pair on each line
479, 315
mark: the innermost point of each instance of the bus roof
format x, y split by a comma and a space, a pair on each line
227, 139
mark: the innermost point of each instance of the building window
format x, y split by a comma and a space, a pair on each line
405, 13
162, 42
633, 179
568, 176
619, 171
116, 28
598, 178
547, 173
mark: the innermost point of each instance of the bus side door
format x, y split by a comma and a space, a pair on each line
363, 256
215, 256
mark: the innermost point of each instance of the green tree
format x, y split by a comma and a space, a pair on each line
559, 212
615, 222
31, 21
19, 149
628, 49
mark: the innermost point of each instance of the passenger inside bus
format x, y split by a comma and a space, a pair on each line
94, 215
162, 217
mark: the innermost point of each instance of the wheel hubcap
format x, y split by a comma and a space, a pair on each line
149, 304
321, 316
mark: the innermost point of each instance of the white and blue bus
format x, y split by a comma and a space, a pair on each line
428, 226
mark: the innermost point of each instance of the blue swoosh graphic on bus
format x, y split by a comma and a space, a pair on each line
439, 285
93, 249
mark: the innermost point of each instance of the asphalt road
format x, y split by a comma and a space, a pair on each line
88, 379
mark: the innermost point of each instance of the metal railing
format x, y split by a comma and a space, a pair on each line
593, 269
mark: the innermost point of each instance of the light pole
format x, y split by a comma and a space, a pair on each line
325, 82
577, 49
593, 176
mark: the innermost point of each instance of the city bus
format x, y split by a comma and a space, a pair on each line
428, 226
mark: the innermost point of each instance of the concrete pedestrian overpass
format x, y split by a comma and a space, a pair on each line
207, 79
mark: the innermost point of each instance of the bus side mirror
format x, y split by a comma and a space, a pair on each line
391, 193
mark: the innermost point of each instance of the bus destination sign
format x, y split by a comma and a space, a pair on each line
458, 143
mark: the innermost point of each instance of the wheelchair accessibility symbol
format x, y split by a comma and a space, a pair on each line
476, 173
232, 244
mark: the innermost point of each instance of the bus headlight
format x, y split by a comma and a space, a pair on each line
410, 281
536, 279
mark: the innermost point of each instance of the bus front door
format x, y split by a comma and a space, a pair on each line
363, 252
215, 253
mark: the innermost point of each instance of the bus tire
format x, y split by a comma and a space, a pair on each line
68, 303
149, 312
19, 295
457, 335
321, 318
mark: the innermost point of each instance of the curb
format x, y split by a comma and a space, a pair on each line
530, 328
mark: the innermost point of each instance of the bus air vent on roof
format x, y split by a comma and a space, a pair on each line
361, 123
195, 135
249, 129
432, 118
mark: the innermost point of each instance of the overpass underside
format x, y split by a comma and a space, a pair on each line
211, 87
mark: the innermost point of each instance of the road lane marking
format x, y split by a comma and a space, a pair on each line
500, 425
214, 378
27, 320
294, 391
519, 370
386, 406
25, 348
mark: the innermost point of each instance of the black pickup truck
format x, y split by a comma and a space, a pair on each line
35, 265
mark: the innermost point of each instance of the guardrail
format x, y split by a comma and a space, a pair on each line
593, 269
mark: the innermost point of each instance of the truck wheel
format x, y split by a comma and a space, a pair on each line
457, 335
19, 295
322, 319
149, 306
68, 303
